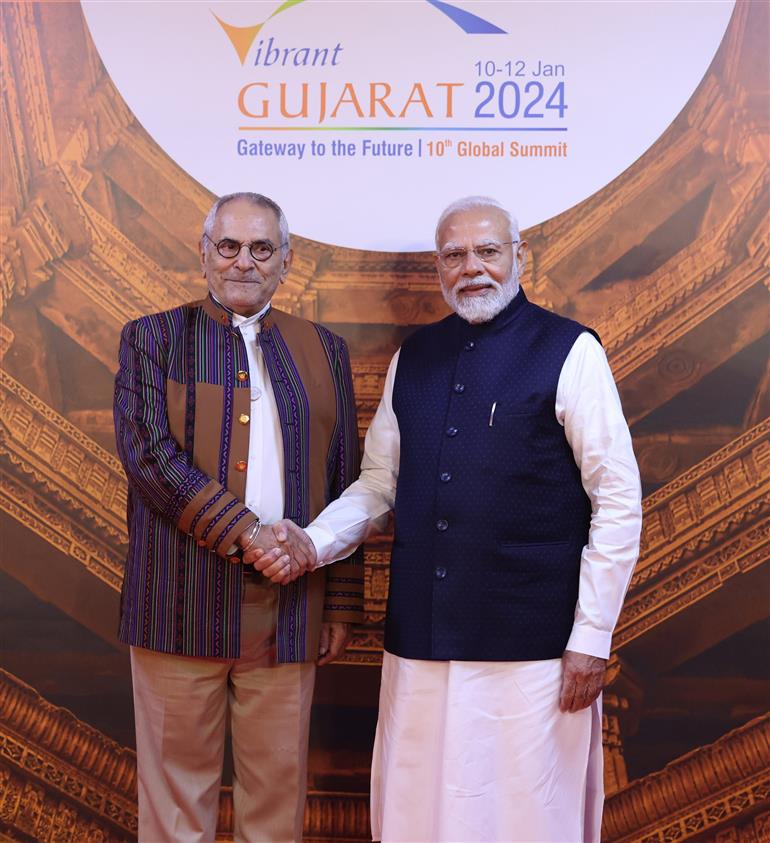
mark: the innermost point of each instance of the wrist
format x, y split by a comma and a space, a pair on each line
248, 536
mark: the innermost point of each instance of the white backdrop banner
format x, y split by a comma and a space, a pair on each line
364, 119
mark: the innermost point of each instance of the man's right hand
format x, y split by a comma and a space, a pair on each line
282, 552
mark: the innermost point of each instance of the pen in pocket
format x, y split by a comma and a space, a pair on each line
492, 414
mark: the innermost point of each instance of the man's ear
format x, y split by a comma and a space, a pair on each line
521, 255
202, 255
286, 264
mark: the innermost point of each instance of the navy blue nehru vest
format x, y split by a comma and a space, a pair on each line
491, 516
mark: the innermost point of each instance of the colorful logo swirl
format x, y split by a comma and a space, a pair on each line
242, 37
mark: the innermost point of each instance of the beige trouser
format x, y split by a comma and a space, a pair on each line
181, 705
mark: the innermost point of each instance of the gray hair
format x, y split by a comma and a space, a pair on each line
469, 203
261, 202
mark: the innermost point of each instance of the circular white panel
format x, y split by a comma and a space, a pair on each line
364, 119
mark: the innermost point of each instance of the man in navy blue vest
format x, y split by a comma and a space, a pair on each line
501, 446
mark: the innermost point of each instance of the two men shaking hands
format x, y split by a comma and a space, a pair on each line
501, 448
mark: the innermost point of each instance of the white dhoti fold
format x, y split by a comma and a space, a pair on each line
479, 751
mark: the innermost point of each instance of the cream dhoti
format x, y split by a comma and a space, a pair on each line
479, 751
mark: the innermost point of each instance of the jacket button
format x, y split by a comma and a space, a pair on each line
241, 375
445, 477
451, 431
243, 418
459, 388
470, 345
240, 465
440, 572
442, 524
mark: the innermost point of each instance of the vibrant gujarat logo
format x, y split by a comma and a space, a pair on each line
242, 37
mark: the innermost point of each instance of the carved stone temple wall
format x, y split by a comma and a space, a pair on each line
669, 263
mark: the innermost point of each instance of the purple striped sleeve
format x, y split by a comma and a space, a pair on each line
156, 467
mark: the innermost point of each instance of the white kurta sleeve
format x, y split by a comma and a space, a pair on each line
363, 507
588, 406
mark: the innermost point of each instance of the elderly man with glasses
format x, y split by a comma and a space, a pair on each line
501, 446
231, 417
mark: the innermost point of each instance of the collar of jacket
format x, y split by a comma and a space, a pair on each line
224, 316
466, 330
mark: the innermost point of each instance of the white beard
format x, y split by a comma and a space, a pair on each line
482, 308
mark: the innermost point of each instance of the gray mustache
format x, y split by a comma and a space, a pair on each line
481, 279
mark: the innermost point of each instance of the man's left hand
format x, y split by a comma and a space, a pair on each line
334, 639
582, 680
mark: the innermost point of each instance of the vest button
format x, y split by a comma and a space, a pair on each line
470, 345
442, 524
240, 465
241, 375
452, 431
459, 388
445, 476
440, 572
243, 418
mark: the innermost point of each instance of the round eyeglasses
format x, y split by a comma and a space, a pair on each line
487, 253
260, 250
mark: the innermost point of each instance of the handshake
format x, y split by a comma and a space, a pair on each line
282, 552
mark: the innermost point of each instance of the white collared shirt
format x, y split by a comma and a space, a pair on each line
264, 473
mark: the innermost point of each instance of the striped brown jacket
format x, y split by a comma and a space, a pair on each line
180, 392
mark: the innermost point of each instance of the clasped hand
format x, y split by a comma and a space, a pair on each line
282, 552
